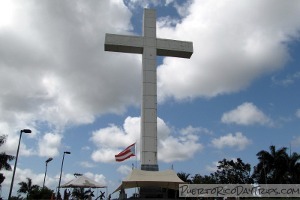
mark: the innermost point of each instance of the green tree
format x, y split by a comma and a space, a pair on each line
184, 177
272, 167
27, 188
232, 172
293, 176
198, 179
4, 159
40, 193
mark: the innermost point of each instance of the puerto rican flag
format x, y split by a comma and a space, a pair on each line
126, 153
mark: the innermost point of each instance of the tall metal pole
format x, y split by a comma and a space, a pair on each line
49, 159
62, 164
45, 176
13, 176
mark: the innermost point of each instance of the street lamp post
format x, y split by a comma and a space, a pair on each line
48, 160
62, 164
13, 176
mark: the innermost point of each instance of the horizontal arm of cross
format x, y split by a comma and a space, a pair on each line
174, 48
135, 44
123, 43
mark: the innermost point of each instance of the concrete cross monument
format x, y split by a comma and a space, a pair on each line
150, 47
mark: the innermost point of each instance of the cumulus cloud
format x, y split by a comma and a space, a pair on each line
23, 174
49, 145
246, 114
237, 140
111, 140
229, 51
124, 169
100, 178
213, 167
52, 64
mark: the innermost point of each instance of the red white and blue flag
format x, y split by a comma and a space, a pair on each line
126, 153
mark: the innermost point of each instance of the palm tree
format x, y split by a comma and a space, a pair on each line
294, 168
4, 159
272, 167
184, 177
27, 187
206, 179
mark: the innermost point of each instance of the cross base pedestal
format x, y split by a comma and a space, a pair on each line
149, 167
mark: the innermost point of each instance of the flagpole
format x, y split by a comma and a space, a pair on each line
136, 160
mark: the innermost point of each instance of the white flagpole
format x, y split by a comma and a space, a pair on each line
136, 159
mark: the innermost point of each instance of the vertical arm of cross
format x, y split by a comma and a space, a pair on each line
149, 93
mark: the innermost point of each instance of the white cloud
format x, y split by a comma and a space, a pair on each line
237, 140
186, 145
124, 169
100, 178
104, 155
22, 175
246, 114
185, 149
49, 145
183, 9
11, 145
213, 167
52, 68
111, 140
241, 48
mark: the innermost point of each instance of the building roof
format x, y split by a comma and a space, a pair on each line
82, 182
140, 178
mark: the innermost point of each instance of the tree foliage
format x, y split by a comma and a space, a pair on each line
233, 172
206, 179
277, 167
4, 159
27, 188
274, 167
184, 177
40, 193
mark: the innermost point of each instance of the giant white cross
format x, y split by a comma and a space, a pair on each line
149, 46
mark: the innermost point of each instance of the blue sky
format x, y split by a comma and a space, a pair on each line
237, 95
